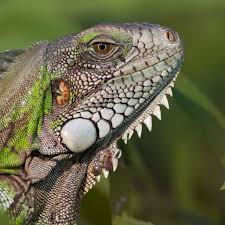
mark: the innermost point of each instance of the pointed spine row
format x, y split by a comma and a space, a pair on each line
147, 118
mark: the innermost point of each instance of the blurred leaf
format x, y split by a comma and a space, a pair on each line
188, 89
125, 220
96, 206
4, 218
223, 187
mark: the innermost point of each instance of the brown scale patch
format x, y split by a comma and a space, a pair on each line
61, 92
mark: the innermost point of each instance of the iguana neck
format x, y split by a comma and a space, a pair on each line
24, 102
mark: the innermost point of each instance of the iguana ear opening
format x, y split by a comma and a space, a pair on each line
61, 92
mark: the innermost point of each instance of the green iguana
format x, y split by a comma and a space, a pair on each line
65, 104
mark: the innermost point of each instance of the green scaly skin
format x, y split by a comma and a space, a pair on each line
37, 102
52, 153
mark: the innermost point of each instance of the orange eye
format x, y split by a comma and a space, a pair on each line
103, 48
61, 92
170, 36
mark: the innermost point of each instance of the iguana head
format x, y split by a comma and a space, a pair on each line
78, 96
112, 79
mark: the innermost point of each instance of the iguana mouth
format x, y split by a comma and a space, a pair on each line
153, 109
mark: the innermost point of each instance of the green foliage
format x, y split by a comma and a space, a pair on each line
3, 218
188, 89
125, 220
223, 187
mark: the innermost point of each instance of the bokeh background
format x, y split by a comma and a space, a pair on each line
173, 175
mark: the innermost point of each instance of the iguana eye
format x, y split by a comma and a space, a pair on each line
61, 92
103, 49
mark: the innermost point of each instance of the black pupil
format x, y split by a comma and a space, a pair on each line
102, 47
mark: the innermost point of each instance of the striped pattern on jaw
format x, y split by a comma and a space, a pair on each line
139, 87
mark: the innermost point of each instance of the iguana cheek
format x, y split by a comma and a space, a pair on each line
78, 134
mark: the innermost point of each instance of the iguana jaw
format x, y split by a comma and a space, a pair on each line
147, 105
153, 109
151, 106
144, 116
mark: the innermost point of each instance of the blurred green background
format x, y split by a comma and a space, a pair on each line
173, 175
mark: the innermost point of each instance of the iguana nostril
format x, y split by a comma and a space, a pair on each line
170, 36
78, 134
